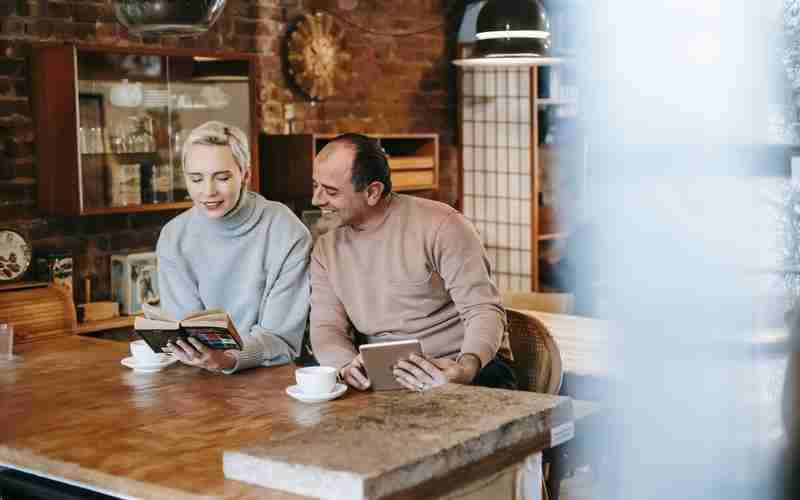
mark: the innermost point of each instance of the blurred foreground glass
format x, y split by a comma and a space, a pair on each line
677, 108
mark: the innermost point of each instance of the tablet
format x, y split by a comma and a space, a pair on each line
379, 358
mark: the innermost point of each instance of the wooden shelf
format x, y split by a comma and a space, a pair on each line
23, 161
19, 285
555, 102
19, 182
121, 153
553, 236
412, 162
106, 324
287, 164
150, 207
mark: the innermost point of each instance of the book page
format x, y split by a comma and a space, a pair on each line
217, 315
155, 313
142, 323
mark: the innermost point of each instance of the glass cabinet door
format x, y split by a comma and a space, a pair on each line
135, 111
123, 107
203, 89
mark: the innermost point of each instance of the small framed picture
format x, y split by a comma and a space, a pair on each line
134, 281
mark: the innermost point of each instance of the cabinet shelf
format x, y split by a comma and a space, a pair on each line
18, 182
147, 207
412, 162
105, 324
126, 153
288, 160
80, 173
555, 102
553, 236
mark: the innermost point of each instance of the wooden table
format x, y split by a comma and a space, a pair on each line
72, 413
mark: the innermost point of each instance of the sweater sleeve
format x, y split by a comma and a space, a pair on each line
462, 263
278, 335
330, 327
177, 285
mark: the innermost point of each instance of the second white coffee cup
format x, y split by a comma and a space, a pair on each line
316, 379
143, 354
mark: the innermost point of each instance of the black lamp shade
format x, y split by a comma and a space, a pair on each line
168, 17
512, 28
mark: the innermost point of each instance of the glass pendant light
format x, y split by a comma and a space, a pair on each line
511, 33
168, 17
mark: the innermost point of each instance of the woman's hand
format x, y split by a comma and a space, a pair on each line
419, 373
194, 353
355, 375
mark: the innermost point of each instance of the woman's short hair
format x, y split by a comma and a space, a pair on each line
370, 163
216, 133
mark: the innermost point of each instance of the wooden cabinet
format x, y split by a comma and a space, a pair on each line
287, 163
110, 122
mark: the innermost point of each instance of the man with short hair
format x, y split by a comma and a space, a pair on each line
399, 267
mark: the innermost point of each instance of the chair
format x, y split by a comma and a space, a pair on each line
538, 367
563, 303
537, 360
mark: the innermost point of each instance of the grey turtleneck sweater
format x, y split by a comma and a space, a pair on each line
252, 263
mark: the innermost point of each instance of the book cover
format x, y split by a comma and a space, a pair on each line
213, 328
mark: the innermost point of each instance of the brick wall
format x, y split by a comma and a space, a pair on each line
398, 84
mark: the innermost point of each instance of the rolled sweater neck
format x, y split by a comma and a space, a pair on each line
236, 223
378, 224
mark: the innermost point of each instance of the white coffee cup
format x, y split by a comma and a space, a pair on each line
143, 354
316, 379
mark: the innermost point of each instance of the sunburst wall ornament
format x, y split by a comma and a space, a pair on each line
316, 63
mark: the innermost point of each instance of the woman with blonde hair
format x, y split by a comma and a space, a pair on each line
234, 250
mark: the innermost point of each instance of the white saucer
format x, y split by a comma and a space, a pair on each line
166, 360
295, 392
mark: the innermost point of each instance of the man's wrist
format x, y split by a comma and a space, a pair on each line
470, 364
231, 360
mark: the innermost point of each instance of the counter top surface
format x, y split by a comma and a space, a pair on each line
73, 413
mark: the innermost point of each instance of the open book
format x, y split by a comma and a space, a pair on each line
213, 328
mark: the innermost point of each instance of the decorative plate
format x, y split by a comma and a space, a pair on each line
15, 255
316, 63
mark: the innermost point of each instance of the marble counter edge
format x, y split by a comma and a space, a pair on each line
533, 432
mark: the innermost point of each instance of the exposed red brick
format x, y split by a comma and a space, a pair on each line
91, 12
396, 84
59, 9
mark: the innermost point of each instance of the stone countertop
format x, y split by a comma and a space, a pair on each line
402, 440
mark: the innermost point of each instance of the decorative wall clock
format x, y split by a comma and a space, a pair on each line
315, 60
15, 255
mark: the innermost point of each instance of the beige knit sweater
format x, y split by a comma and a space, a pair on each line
420, 273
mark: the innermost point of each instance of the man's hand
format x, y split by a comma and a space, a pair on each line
355, 375
194, 353
419, 373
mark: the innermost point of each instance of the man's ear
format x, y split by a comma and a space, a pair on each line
374, 192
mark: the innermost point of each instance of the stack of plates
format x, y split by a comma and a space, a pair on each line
156, 98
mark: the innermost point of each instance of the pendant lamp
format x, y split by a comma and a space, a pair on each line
511, 33
168, 17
